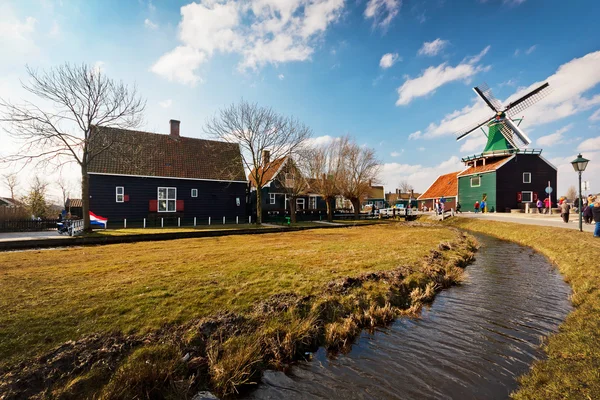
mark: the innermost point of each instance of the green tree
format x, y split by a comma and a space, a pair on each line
35, 200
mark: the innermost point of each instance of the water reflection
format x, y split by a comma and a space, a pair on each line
471, 343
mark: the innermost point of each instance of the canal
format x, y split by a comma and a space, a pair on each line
471, 343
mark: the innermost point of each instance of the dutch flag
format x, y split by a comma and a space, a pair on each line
97, 221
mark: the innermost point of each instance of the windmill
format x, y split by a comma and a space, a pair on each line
504, 133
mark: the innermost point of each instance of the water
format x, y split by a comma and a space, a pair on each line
472, 343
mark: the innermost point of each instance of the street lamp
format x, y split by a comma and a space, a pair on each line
579, 164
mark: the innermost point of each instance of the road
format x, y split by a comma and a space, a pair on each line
532, 219
11, 236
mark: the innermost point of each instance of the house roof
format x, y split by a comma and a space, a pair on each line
272, 169
491, 165
392, 197
74, 203
444, 186
156, 155
376, 192
8, 202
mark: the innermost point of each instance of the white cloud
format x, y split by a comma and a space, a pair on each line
568, 87
382, 12
595, 116
388, 59
474, 143
517, 52
414, 135
166, 103
180, 65
16, 35
421, 149
54, 29
281, 77
590, 144
513, 2
530, 50
554, 138
396, 153
99, 66
434, 77
567, 177
432, 48
261, 31
320, 141
417, 175
149, 24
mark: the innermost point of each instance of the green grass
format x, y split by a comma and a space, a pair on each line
152, 231
572, 368
49, 297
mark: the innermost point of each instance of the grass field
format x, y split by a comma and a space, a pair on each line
572, 369
49, 297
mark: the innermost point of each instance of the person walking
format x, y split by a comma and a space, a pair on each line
596, 214
539, 206
476, 206
482, 206
458, 207
547, 205
565, 209
588, 214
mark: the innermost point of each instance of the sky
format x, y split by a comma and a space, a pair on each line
396, 75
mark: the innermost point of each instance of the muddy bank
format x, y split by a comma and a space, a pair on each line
227, 351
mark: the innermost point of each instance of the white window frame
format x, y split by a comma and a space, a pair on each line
530, 197
194, 193
312, 202
298, 201
471, 181
271, 198
527, 181
286, 202
167, 199
120, 197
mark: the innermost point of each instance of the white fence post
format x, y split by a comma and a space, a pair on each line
194, 222
179, 221
208, 221
162, 222
223, 220
125, 223
144, 223
249, 219
237, 220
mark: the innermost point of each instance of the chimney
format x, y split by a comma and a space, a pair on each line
266, 156
174, 128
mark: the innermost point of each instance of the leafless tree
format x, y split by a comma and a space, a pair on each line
405, 187
325, 168
293, 178
76, 99
258, 129
65, 189
571, 193
11, 181
359, 171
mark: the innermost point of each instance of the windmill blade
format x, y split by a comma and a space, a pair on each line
528, 100
518, 132
465, 132
486, 94
508, 135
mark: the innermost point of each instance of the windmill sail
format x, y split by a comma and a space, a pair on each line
517, 132
463, 133
528, 100
485, 93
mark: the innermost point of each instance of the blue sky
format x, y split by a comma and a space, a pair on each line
396, 75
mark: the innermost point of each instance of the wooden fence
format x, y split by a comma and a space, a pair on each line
27, 225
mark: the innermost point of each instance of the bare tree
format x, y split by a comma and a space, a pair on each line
11, 181
78, 99
405, 187
571, 193
360, 169
325, 167
259, 131
65, 189
293, 178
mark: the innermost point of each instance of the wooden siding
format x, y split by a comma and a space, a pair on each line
467, 195
215, 199
510, 180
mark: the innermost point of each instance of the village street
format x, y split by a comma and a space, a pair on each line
532, 219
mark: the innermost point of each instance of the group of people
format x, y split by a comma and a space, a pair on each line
590, 208
480, 206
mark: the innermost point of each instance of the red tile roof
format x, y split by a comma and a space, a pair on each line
490, 165
272, 169
74, 203
444, 186
152, 154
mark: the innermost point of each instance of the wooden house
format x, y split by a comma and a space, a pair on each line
446, 187
276, 191
148, 175
74, 207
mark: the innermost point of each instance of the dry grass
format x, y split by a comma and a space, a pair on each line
51, 296
572, 369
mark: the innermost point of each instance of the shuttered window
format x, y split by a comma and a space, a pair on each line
167, 199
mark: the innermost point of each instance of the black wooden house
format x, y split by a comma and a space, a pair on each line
151, 176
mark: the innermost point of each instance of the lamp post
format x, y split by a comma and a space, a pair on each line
579, 164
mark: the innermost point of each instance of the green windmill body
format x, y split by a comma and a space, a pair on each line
496, 140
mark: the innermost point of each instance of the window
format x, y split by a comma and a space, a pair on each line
526, 197
120, 194
271, 198
194, 192
526, 177
312, 202
299, 204
475, 181
167, 199
285, 205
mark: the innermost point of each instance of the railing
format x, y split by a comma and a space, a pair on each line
496, 153
76, 227
27, 225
